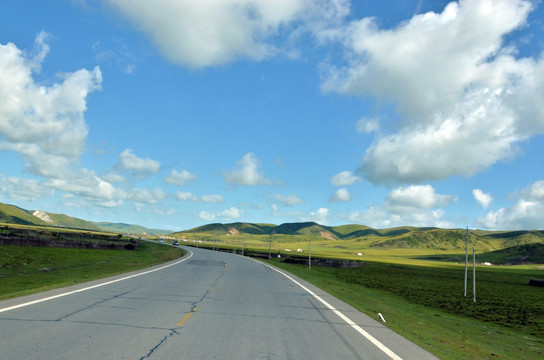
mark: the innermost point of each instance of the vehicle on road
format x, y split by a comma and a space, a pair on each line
175, 243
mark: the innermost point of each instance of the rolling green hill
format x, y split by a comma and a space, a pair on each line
130, 228
12, 214
442, 240
516, 255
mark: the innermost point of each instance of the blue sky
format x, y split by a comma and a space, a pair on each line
174, 114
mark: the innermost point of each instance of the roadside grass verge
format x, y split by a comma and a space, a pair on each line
28, 270
426, 305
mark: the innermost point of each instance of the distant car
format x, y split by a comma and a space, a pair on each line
175, 243
161, 241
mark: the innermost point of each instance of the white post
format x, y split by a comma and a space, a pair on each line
310, 253
466, 265
474, 273
269, 246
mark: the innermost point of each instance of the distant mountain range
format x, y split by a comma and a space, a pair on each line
12, 214
399, 237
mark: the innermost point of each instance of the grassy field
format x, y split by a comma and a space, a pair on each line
27, 270
426, 305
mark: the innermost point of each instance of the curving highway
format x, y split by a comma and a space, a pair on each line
208, 305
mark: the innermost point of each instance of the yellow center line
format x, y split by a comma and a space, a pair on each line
186, 317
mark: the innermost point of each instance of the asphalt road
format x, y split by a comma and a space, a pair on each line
211, 305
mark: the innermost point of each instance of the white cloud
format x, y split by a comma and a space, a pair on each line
43, 123
367, 125
138, 166
88, 185
212, 198
482, 198
113, 178
465, 101
230, 213
319, 216
180, 178
288, 200
341, 195
416, 205
405, 199
205, 215
344, 178
247, 172
525, 214
534, 192
200, 33
23, 189
149, 196
186, 196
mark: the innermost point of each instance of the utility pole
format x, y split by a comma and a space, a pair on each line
466, 265
474, 273
309, 253
270, 246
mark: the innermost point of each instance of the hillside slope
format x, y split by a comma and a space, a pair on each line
394, 238
12, 214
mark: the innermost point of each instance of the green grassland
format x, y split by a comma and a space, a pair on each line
27, 270
426, 305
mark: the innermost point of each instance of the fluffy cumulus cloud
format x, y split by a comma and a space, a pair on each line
341, 195
482, 198
465, 101
23, 189
180, 178
44, 123
198, 33
136, 165
344, 178
287, 200
526, 213
320, 216
230, 213
187, 196
148, 196
247, 172
88, 185
406, 199
206, 215
415, 205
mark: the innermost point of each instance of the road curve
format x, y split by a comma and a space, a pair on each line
210, 305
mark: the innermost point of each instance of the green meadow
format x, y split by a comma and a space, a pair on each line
27, 270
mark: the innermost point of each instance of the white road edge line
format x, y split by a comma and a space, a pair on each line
369, 337
92, 287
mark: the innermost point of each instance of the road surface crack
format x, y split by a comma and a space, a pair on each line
93, 305
172, 333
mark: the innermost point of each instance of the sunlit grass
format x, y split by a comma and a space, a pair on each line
27, 270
